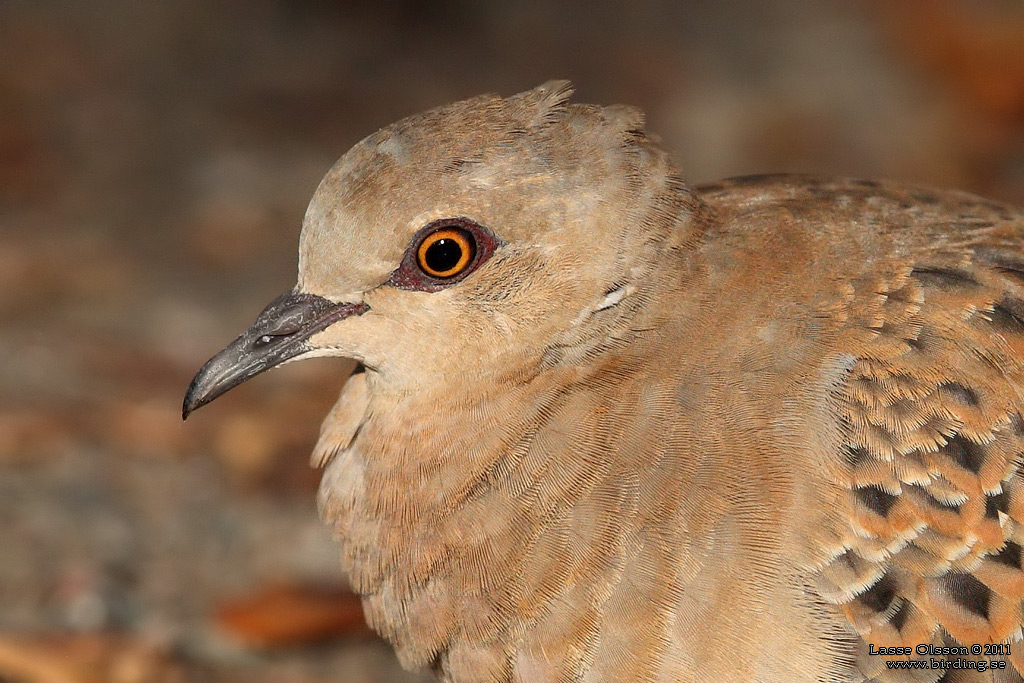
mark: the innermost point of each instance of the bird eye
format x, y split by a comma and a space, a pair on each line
446, 252
443, 253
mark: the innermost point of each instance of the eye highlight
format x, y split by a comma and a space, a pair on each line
446, 252
442, 253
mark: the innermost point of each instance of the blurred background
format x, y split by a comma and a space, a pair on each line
156, 158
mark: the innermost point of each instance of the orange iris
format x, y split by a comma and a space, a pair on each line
446, 252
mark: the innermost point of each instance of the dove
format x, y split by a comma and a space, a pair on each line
608, 426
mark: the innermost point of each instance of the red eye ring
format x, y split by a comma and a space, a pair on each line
446, 252
449, 238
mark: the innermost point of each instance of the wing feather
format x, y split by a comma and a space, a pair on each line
932, 411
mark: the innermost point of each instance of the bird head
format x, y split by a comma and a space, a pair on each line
474, 239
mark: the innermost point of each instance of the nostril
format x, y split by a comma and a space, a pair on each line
263, 341
286, 327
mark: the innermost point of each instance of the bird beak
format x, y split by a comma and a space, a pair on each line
280, 333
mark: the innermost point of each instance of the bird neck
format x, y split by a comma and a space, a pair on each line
467, 518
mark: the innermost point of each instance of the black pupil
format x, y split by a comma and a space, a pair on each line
443, 255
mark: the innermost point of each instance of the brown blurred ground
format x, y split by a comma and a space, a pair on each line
155, 161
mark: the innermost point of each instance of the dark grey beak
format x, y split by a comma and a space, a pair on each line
281, 331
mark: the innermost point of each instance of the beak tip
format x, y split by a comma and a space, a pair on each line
193, 400
187, 406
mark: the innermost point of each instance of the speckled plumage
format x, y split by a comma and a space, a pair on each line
738, 432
